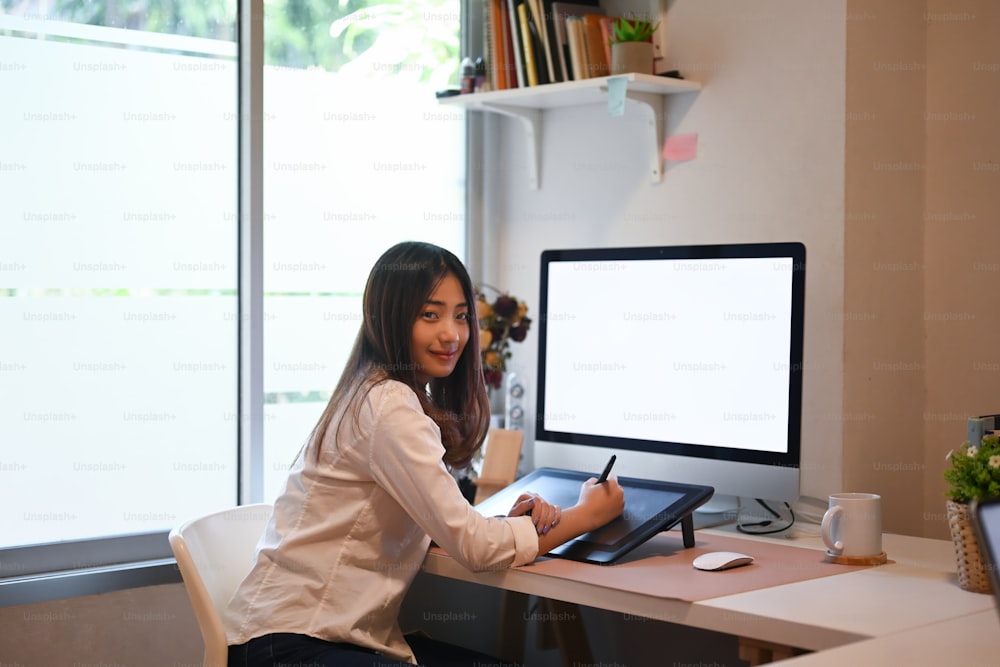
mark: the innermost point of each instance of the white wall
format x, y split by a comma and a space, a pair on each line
770, 167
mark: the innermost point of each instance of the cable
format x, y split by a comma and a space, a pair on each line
768, 508
742, 527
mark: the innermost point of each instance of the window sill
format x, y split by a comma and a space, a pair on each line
76, 583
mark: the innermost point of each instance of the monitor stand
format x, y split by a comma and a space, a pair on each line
696, 520
718, 511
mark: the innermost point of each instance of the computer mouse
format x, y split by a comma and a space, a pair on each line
721, 560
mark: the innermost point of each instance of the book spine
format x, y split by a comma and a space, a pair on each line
549, 24
520, 79
529, 55
597, 62
505, 71
574, 35
607, 32
489, 42
498, 64
538, 14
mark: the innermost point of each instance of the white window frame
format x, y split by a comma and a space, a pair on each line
39, 573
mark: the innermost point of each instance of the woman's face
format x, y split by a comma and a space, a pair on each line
441, 331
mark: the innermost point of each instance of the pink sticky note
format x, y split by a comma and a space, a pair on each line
680, 147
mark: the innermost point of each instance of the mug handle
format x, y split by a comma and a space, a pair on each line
835, 546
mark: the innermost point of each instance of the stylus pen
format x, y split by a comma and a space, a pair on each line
607, 470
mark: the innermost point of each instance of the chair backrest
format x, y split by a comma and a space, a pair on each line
214, 553
501, 456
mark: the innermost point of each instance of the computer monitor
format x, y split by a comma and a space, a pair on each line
686, 361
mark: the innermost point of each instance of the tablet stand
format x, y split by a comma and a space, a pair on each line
687, 525
687, 530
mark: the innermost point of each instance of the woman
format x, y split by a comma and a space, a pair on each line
371, 487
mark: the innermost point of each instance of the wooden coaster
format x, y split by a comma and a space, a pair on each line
857, 560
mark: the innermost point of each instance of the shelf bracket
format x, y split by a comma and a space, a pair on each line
531, 120
651, 105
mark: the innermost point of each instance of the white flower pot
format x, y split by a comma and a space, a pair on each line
632, 57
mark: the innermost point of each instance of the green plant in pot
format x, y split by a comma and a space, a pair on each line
974, 474
632, 45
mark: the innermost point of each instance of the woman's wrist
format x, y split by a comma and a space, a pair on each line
575, 521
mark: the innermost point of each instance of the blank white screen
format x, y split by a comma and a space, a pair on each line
677, 350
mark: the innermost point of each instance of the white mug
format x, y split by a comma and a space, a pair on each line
852, 526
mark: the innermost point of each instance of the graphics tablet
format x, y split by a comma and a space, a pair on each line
650, 507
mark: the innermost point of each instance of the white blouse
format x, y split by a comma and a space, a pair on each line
350, 532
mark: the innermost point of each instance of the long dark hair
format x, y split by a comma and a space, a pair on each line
398, 288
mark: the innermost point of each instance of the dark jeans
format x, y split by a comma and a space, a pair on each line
293, 650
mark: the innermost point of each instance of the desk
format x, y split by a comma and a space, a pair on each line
918, 589
966, 640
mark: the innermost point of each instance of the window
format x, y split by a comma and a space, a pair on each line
357, 156
119, 244
118, 272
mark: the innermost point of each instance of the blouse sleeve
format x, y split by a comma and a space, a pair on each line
406, 460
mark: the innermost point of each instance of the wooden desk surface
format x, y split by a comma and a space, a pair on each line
918, 589
966, 640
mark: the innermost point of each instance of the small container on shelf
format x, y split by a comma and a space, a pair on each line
468, 75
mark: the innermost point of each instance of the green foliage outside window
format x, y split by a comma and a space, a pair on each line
416, 37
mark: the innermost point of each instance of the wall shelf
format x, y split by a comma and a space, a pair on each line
645, 91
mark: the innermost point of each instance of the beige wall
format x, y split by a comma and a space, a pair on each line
143, 627
884, 272
962, 230
921, 193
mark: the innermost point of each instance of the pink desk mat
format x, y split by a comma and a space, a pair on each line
662, 568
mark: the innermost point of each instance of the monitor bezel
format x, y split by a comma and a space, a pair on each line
796, 251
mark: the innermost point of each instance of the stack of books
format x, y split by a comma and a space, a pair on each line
534, 42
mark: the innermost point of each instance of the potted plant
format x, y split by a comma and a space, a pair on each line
632, 45
974, 474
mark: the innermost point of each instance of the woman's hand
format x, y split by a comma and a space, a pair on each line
604, 502
544, 514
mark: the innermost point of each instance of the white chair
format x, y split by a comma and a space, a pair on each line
214, 554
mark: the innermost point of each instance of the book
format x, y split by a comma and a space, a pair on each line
506, 47
560, 11
598, 60
537, 49
577, 47
492, 41
550, 39
538, 18
520, 77
528, 53
607, 32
